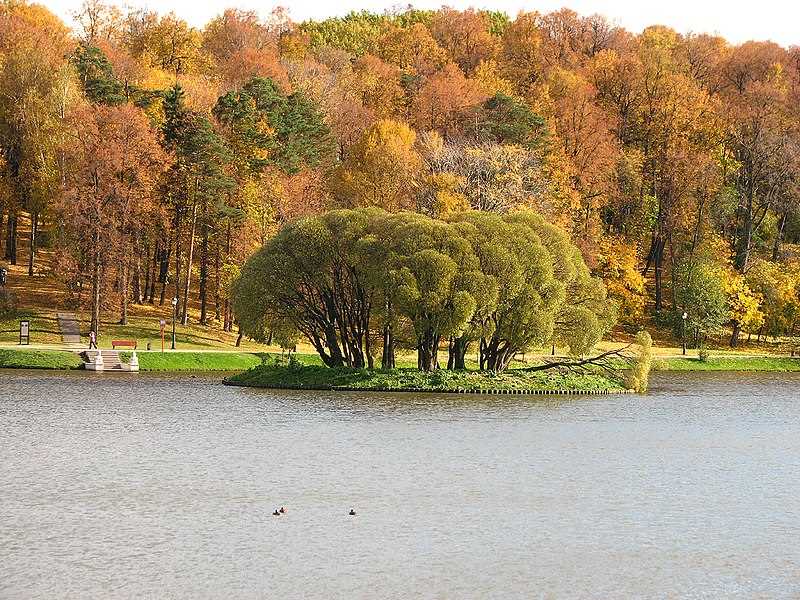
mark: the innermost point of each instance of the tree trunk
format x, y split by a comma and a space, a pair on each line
152, 269
123, 318
163, 275
11, 239
204, 273
427, 351
32, 246
456, 359
776, 248
737, 329
95, 324
226, 315
743, 248
387, 356
239, 337
368, 352
149, 269
188, 281
216, 282
178, 257
659, 271
137, 273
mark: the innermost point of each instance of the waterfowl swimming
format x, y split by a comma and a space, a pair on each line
352, 513
282, 510
276, 513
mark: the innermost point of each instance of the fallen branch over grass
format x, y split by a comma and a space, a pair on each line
634, 360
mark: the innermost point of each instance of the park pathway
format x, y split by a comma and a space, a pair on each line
70, 331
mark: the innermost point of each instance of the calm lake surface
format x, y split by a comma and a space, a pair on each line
120, 486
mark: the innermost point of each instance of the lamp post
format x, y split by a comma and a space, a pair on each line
683, 331
174, 314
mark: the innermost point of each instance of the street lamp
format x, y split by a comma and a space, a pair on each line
174, 315
683, 331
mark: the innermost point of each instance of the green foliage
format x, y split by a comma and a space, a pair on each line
97, 76
638, 377
268, 128
433, 291
358, 32
700, 293
201, 154
508, 121
513, 282
498, 21
778, 287
311, 278
585, 313
521, 297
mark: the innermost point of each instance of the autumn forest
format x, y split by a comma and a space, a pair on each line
153, 158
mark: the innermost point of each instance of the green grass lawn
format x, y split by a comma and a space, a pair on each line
43, 327
730, 363
146, 329
195, 361
302, 376
39, 359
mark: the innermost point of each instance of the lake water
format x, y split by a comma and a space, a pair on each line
120, 486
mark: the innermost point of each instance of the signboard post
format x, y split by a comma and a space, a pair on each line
162, 324
25, 332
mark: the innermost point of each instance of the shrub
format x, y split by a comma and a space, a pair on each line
637, 378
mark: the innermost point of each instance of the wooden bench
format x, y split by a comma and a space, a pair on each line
123, 344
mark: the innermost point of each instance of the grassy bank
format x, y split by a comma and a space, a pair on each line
729, 363
195, 361
39, 359
271, 375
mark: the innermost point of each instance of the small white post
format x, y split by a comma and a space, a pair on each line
133, 365
96, 364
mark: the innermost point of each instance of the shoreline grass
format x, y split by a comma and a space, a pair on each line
273, 372
196, 361
729, 363
39, 359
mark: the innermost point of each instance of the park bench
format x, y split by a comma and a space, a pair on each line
123, 344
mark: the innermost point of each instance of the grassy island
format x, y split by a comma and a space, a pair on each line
313, 377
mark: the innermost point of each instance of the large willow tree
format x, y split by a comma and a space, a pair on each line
353, 281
